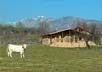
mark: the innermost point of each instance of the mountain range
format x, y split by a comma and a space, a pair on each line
56, 24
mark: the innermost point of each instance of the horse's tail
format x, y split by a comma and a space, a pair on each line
7, 50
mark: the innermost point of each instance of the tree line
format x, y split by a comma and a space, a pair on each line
21, 34
18, 34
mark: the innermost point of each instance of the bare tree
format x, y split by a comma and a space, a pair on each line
43, 28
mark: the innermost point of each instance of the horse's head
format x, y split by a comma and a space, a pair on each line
24, 46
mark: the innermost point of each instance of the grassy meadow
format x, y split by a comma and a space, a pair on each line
39, 58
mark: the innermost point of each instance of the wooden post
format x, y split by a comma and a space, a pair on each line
62, 37
50, 39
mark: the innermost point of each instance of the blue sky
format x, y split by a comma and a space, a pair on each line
13, 10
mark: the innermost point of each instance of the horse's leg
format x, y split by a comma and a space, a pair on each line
21, 54
10, 53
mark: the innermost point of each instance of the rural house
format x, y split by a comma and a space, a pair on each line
73, 37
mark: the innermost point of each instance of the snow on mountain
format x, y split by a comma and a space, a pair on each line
35, 22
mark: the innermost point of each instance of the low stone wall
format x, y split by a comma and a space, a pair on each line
91, 43
46, 41
69, 44
57, 43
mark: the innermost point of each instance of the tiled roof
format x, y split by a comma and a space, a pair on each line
70, 29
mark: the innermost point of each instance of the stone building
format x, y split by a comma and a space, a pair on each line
73, 37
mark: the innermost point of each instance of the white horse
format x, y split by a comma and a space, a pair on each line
16, 48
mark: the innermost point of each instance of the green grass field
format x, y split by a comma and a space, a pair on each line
40, 58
